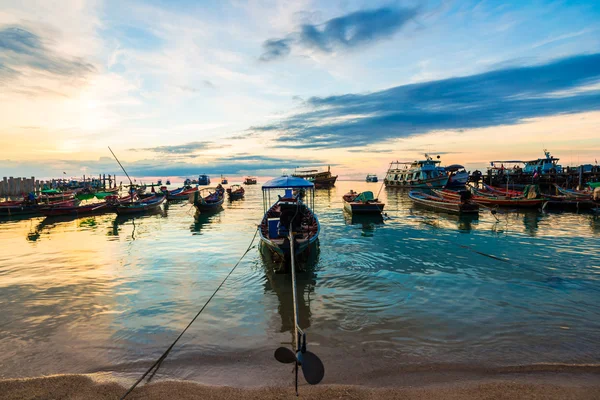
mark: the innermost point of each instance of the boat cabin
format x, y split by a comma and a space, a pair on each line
546, 165
415, 171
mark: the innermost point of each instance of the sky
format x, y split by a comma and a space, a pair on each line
180, 87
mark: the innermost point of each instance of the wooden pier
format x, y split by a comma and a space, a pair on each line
18, 187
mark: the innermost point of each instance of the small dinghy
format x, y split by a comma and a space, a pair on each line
140, 206
362, 203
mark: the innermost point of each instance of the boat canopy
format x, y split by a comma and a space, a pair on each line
365, 196
284, 182
454, 167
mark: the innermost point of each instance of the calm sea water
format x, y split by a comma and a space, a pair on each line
109, 294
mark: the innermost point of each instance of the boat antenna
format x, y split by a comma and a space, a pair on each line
312, 366
121, 165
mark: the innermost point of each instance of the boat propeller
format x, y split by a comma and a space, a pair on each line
312, 366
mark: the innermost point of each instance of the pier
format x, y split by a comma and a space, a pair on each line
17, 187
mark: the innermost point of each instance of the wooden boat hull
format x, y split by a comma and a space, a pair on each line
140, 206
491, 201
207, 207
281, 246
235, 196
444, 205
92, 209
180, 195
364, 208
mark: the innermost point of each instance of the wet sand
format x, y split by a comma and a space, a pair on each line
578, 386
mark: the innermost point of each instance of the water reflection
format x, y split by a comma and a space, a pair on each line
367, 222
200, 220
281, 285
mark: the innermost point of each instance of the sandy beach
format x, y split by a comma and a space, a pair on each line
520, 386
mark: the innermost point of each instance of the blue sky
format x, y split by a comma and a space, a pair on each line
256, 87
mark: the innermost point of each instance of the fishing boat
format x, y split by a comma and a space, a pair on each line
208, 199
491, 200
203, 180
321, 179
159, 182
460, 205
224, 181
288, 210
362, 203
182, 193
109, 205
168, 182
425, 174
140, 206
371, 178
31, 206
249, 180
581, 194
235, 192
457, 176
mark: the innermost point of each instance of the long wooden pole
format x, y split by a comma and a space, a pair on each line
126, 174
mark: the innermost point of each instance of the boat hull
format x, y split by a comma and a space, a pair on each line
363, 208
437, 182
94, 209
452, 207
139, 207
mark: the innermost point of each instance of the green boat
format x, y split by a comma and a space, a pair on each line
85, 196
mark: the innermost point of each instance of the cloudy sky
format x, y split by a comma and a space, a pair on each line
178, 88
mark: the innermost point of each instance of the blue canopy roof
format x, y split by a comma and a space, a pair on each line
287, 182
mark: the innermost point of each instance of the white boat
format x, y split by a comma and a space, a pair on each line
417, 174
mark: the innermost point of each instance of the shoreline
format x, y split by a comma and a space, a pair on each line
84, 387
521, 382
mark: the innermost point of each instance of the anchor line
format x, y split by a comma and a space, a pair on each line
159, 361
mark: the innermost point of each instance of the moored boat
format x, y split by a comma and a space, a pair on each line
140, 206
457, 176
362, 203
321, 179
424, 174
288, 211
371, 178
203, 180
208, 199
89, 209
224, 180
182, 193
491, 200
460, 205
249, 180
235, 192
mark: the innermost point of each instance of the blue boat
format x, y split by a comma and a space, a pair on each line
289, 210
371, 178
203, 180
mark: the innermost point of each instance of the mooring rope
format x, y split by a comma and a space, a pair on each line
166, 353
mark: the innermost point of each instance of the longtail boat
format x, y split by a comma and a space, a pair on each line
491, 201
459, 205
31, 207
183, 193
213, 201
288, 211
249, 180
110, 205
362, 203
235, 192
574, 193
139, 206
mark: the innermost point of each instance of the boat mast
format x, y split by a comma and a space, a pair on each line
121, 165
